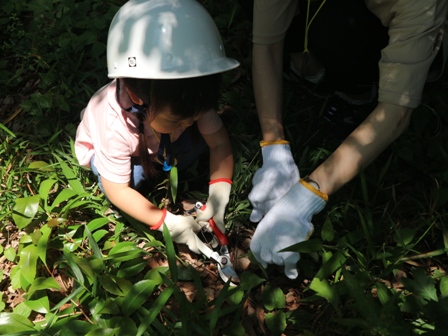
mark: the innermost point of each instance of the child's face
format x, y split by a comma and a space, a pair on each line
165, 122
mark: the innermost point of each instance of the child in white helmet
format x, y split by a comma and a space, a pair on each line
165, 58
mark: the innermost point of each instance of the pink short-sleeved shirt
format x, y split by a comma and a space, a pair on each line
111, 134
416, 31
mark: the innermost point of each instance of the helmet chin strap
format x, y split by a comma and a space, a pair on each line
164, 153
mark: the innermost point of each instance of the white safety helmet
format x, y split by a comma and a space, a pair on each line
165, 39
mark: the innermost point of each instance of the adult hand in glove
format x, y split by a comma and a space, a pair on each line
182, 229
286, 224
219, 193
277, 175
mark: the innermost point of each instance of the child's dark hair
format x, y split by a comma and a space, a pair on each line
186, 97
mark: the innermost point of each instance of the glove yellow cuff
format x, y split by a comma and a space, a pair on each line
276, 142
319, 193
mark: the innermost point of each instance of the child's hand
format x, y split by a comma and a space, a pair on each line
182, 230
219, 192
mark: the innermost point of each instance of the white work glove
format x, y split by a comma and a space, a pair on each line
182, 229
286, 224
218, 197
277, 175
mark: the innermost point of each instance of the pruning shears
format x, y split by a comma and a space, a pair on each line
222, 255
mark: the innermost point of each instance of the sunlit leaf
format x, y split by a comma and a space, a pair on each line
42, 244
71, 177
10, 253
40, 165
24, 210
324, 290
170, 253
11, 322
174, 183
28, 262
40, 305
63, 196
422, 285
44, 190
55, 222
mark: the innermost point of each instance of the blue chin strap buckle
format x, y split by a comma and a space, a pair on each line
166, 167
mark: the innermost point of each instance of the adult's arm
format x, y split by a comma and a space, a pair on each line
385, 124
267, 65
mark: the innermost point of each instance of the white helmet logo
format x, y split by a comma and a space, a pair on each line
132, 62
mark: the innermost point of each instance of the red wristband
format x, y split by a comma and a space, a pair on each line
160, 222
222, 179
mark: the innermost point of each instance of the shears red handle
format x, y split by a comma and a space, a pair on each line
222, 238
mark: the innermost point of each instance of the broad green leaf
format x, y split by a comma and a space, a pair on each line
137, 295
42, 244
147, 316
56, 222
132, 267
14, 276
327, 232
307, 246
97, 223
63, 196
42, 283
73, 265
236, 297
28, 263
236, 329
250, 280
444, 286
125, 325
383, 293
404, 237
174, 178
71, 177
276, 322
10, 253
110, 307
124, 247
72, 296
44, 191
170, 253
22, 309
93, 245
103, 332
11, 322
154, 274
273, 298
74, 327
40, 305
422, 285
24, 210
40, 165
324, 290
364, 303
109, 285
332, 265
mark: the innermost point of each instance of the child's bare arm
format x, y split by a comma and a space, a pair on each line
221, 156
